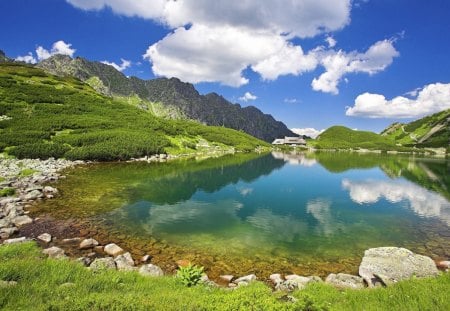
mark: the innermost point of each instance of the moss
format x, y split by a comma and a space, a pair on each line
6, 192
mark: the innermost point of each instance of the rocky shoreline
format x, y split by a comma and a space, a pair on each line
381, 266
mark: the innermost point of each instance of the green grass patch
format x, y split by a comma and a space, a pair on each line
42, 285
27, 172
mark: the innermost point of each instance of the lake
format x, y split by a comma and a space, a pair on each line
289, 213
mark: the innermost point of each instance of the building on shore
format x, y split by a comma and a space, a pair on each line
292, 141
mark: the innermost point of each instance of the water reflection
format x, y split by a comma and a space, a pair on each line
424, 202
295, 158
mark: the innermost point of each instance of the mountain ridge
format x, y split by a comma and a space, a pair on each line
209, 109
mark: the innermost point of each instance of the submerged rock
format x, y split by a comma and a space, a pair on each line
88, 243
392, 264
342, 280
22, 220
113, 249
150, 270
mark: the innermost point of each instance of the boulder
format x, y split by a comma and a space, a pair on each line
101, 264
22, 220
16, 240
54, 252
392, 264
150, 270
124, 262
45, 237
113, 250
247, 279
88, 243
342, 280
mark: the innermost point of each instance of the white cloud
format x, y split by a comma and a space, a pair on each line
422, 201
309, 131
124, 65
59, 47
430, 99
331, 41
247, 97
291, 100
379, 56
29, 58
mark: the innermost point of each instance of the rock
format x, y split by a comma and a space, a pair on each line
33, 195
150, 270
71, 240
101, 264
22, 220
276, 278
444, 265
294, 282
124, 262
113, 250
5, 233
247, 279
50, 190
45, 237
227, 277
68, 284
16, 240
391, 264
146, 258
4, 284
342, 280
54, 252
88, 243
206, 281
85, 261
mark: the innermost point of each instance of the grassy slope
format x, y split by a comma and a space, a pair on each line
64, 117
341, 137
411, 133
39, 288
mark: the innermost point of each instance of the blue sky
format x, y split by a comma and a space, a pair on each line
309, 63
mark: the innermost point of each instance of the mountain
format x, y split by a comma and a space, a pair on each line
210, 109
430, 131
43, 116
3, 57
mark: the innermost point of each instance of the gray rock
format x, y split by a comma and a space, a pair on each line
342, 280
276, 278
45, 237
50, 190
16, 240
124, 262
22, 220
5, 233
391, 264
33, 195
227, 277
113, 250
146, 258
54, 252
4, 223
85, 261
101, 264
88, 243
4, 284
71, 240
247, 279
150, 270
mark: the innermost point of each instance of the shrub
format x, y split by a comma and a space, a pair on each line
190, 275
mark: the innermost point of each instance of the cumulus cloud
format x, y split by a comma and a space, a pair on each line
379, 56
29, 58
124, 65
430, 99
309, 131
216, 41
247, 97
422, 201
59, 47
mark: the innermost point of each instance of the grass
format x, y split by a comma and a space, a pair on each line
6, 192
27, 172
59, 117
40, 287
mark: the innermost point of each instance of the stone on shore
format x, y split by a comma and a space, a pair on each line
5, 233
101, 264
88, 243
22, 220
245, 279
342, 280
146, 258
392, 264
54, 252
33, 195
45, 237
50, 190
113, 250
227, 277
124, 262
444, 265
16, 240
150, 270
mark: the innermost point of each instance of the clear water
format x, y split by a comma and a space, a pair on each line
310, 214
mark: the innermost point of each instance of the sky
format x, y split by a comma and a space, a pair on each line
310, 63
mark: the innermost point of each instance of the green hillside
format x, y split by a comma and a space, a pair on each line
430, 131
42, 115
341, 137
